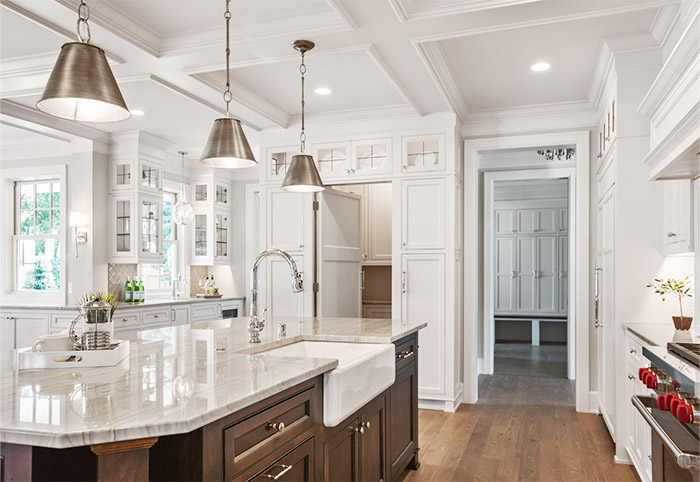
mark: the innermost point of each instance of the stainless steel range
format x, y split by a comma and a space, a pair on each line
674, 415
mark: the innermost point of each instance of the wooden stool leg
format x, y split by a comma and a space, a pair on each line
126, 460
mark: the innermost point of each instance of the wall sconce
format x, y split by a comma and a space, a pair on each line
76, 221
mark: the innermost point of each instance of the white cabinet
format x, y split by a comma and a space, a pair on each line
504, 221
526, 264
563, 274
21, 329
61, 320
155, 317
505, 274
285, 222
638, 443
375, 310
211, 228
423, 206
352, 159
205, 311
136, 225
127, 320
279, 298
377, 224
423, 153
678, 217
536, 221
278, 161
423, 298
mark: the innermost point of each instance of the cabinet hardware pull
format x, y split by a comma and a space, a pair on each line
301, 246
405, 166
125, 319
155, 316
403, 243
630, 377
599, 156
366, 424
512, 274
671, 235
276, 426
362, 286
403, 282
285, 469
632, 350
360, 429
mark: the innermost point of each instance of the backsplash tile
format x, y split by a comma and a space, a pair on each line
196, 273
117, 275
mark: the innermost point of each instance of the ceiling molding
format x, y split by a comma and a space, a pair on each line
33, 130
642, 5
355, 115
435, 60
342, 12
391, 77
405, 13
664, 22
38, 64
249, 99
37, 118
121, 25
42, 22
322, 23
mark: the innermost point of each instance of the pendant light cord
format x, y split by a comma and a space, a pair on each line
182, 179
82, 24
228, 96
302, 69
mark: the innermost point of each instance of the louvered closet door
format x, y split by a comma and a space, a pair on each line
526, 267
546, 275
504, 301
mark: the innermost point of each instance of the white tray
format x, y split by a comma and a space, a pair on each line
30, 360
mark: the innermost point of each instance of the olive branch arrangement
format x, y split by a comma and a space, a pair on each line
672, 287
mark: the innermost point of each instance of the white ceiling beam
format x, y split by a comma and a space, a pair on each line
393, 79
405, 13
341, 11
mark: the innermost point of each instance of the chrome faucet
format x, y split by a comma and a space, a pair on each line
255, 326
175, 284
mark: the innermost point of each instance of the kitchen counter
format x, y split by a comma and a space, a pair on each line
143, 396
122, 304
656, 334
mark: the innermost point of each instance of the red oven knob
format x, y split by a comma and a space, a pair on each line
685, 413
675, 403
650, 381
664, 401
642, 373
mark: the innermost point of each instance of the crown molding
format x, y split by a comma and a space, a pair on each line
356, 115
121, 25
405, 13
393, 79
642, 5
438, 66
250, 100
342, 12
664, 23
31, 128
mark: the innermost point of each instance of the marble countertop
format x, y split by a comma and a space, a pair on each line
656, 334
123, 305
143, 396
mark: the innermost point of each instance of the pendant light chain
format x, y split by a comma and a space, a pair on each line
302, 136
228, 96
182, 179
82, 24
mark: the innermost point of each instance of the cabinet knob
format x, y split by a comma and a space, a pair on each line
360, 429
630, 377
366, 424
125, 319
403, 243
279, 427
633, 351
301, 246
671, 235
155, 316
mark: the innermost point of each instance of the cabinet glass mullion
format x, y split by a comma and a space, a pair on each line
221, 235
200, 234
123, 226
149, 227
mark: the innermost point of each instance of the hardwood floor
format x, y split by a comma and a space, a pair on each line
527, 360
523, 428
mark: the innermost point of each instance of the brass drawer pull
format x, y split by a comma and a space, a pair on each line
285, 469
276, 426
404, 354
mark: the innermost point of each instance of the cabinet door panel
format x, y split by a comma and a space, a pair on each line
547, 277
546, 221
280, 300
295, 466
29, 327
373, 442
285, 225
505, 221
563, 220
423, 298
505, 274
402, 423
379, 219
526, 220
563, 274
526, 267
423, 214
340, 453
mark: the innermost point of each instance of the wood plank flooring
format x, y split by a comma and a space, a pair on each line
523, 428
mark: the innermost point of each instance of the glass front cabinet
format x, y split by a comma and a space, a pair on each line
211, 234
136, 222
423, 153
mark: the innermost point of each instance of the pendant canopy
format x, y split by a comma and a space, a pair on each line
227, 146
81, 86
302, 175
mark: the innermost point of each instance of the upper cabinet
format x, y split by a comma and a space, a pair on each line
138, 175
607, 130
423, 153
371, 157
211, 234
678, 217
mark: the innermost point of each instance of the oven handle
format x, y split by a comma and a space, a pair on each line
684, 460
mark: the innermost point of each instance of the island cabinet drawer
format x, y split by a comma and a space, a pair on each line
127, 321
295, 465
406, 349
205, 311
61, 320
252, 438
154, 318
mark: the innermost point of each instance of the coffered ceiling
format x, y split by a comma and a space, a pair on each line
379, 57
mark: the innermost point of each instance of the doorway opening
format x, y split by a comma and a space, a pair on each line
527, 229
375, 293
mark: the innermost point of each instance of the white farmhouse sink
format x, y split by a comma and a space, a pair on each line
363, 372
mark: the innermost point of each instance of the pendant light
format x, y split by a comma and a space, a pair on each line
227, 145
302, 175
183, 214
81, 86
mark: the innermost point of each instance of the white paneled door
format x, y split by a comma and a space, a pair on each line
339, 254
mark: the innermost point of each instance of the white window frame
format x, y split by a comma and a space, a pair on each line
177, 267
8, 292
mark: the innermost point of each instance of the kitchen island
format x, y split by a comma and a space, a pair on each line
199, 402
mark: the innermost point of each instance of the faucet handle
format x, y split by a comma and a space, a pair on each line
263, 317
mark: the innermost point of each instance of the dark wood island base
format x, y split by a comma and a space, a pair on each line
280, 438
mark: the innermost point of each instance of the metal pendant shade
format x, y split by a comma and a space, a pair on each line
82, 87
227, 145
302, 175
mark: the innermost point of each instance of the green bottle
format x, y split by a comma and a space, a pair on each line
128, 291
142, 291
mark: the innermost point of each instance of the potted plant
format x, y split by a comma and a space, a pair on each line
98, 296
677, 289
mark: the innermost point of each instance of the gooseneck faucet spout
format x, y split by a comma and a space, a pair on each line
255, 325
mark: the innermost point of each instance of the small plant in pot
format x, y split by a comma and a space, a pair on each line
678, 289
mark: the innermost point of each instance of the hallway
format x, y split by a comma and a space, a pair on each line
523, 428
523, 359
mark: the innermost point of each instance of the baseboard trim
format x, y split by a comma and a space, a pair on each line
593, 402
623, 460
449, 406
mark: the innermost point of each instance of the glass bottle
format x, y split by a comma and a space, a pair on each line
128, 292
142, 291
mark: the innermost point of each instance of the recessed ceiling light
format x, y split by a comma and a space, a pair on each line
323, 91
137, 112
540, 67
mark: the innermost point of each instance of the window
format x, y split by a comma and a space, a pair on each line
160, 276
37, 245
